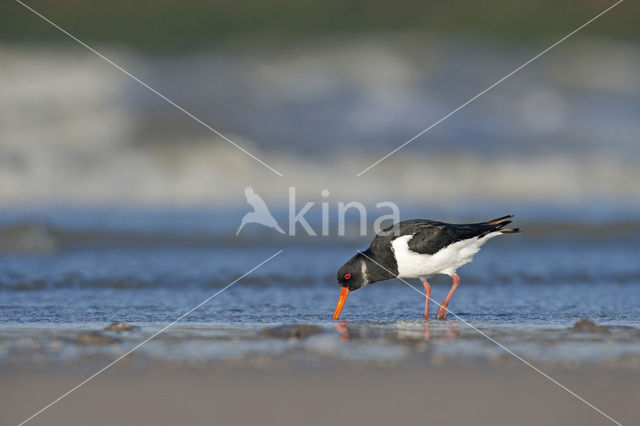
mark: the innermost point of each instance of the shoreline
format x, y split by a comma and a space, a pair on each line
324, 344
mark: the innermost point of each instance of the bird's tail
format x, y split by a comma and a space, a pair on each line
500, 224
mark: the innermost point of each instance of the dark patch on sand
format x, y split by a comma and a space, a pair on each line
27, 238
291, 331
586, 325
94, 338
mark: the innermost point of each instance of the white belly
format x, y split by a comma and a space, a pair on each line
445, 261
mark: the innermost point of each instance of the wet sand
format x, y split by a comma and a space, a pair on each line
163, 394
314, 374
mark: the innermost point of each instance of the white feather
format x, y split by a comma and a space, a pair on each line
365, 275
446, 261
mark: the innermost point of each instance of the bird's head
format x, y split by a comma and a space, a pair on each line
352, 276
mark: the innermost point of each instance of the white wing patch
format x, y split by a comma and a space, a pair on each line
446, 261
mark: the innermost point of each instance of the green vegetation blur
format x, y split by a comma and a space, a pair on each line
185, 25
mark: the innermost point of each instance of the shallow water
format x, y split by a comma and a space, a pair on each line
527, 290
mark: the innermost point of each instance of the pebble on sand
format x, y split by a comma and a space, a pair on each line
586, 324
119, 326
293, 331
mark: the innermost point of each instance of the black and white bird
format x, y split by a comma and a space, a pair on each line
418, 249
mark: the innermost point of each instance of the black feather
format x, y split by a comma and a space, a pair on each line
430, 236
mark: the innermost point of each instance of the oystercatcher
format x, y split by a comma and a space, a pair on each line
418, 249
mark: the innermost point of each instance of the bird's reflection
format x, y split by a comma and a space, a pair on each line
450, 332
343, 331
444, 332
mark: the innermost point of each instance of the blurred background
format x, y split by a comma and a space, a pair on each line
319, 91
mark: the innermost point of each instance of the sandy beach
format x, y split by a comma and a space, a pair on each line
346, 394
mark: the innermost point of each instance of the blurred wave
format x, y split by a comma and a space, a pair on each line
91, 249
564, 130
51, 231
77, 282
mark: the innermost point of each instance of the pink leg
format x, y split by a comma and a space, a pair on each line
442, 310
427, 293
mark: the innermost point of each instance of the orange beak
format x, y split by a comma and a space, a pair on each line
343, 298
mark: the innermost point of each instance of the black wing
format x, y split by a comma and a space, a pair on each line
429, 236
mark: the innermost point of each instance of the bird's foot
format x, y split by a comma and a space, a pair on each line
442, 313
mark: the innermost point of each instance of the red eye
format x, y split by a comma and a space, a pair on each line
347, 276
